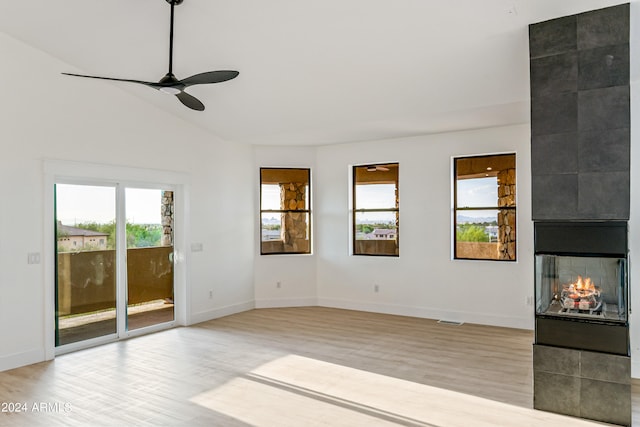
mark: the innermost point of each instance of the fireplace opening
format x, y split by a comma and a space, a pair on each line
581, 287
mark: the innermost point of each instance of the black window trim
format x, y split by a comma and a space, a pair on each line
355, 211
307, 211
476, 208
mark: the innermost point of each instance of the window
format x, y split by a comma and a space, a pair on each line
375, 209
485, 207
284, 211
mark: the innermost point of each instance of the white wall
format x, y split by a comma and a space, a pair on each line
48, 116
296, 273
423, 281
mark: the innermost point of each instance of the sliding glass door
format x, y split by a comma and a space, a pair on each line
149, 234
114, 266
86, 275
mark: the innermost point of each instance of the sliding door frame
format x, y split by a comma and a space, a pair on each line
65, 172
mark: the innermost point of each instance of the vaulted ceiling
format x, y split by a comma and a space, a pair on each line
320, 72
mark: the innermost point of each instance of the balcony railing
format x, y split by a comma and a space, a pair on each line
87, 280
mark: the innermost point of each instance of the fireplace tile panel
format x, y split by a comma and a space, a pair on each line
604, 150
605, 401
603, 67
605, 367
556, 393
554, 114
553, 37
582, 58
603, 195
603, 27
555, 154
554, 74
604, 109
597, 387
556, 360
555, 196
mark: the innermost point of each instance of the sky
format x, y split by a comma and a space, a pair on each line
478, 192
270, 196
369, 196
83, 203
471, 192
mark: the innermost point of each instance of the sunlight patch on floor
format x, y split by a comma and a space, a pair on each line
295, 390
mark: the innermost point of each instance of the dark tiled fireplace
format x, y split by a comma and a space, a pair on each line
580, 153
581, 360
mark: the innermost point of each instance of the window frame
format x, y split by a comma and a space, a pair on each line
306, 210
498, 208
355, 210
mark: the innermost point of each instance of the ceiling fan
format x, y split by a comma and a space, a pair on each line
169, 84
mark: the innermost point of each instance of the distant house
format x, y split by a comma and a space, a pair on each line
383, 234
271, 235
492, 231
74, 238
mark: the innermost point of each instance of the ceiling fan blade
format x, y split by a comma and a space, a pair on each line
111, 78
209, 77
190, 101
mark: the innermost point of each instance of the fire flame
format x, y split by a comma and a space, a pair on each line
585, 284
581, 295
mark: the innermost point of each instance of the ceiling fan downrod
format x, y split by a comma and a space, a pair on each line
173, 3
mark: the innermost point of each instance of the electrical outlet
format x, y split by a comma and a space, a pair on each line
529, 300
278, 284
376, 288
210, 293
33, 258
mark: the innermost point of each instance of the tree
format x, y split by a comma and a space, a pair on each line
365, 228
138, 235
143, 235
471, 233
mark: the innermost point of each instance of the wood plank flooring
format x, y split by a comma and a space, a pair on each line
84, 330
309, 366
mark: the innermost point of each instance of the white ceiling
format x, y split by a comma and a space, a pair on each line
311, 72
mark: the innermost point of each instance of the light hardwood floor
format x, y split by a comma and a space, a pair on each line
298, 367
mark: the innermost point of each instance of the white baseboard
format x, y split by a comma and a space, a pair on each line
429, 313
286, 302
17, 360
422, 312
216, 313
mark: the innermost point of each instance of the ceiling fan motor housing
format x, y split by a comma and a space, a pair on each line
174, 2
